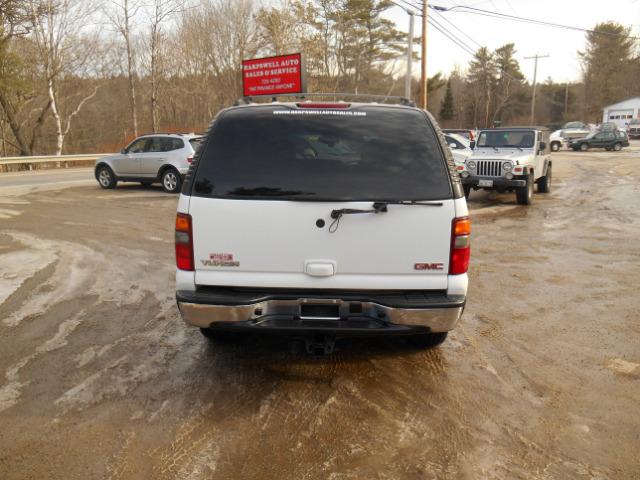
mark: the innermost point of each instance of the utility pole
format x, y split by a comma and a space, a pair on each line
533, 99
407, 85
423, 90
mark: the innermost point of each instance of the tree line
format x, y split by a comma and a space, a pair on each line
82, 76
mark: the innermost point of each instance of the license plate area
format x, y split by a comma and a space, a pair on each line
319, 312
485, 183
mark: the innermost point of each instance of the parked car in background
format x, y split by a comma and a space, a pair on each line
609, 140
468, 134
510, 160
154, 158
556, 140
460, 147
633, 128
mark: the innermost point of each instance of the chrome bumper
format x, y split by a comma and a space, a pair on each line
313, 313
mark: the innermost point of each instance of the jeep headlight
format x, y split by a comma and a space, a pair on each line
471, 165
507, 166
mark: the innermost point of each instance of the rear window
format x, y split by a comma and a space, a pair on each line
275, 152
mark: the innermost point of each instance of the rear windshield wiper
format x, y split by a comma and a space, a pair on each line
377, 207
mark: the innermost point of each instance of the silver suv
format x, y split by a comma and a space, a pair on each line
323, 220
154, 158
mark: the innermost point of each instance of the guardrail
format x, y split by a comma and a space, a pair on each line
59, 161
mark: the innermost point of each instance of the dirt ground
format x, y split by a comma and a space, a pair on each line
101, 379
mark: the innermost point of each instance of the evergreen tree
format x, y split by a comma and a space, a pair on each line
447, 109
607, 68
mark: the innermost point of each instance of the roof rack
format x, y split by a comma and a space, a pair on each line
170, 133
302, 96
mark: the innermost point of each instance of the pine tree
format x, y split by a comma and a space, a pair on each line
446, 110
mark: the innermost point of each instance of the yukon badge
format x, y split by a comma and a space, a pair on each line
220, 260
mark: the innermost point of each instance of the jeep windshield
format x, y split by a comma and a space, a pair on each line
506, 138
369, 153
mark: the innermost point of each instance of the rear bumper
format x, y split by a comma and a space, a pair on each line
340, 313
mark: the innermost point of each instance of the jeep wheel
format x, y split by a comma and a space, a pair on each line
171, 181
544, 183
467, 190
555, 146
106, 178
617, 146
524, 195
427, 340
584, 147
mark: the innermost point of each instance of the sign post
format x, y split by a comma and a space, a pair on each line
286, 74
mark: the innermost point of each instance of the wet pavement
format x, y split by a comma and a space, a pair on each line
101, 379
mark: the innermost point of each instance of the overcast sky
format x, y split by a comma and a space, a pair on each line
474, 31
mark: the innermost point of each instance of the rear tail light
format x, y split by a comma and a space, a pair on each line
460, 246
189, 159
184, 242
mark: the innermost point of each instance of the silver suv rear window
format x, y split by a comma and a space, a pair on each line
277, 152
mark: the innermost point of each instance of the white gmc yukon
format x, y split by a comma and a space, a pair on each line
319, 220
510, 160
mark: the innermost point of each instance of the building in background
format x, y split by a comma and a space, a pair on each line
622, 112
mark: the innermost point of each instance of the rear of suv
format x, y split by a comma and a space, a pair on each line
154, 158
323, 220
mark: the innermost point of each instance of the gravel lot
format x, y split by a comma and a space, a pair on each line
101, 379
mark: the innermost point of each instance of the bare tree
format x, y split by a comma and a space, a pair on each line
124, 11
15, 91
58, 31
221, 34
160, 12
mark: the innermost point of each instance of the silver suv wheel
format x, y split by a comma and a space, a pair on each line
171, 181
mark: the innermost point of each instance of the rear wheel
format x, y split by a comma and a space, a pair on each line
171, 181
584, 147
106, 178
617, 146
427, 340
555, 146
544, 183
524, 195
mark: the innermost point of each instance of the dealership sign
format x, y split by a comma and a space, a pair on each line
274, 75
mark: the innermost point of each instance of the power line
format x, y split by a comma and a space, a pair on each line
488, 13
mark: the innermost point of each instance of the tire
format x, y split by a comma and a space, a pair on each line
617, 146
555, 146
171, 181
467, 190
106, 178
427, 340
544, 183
584, 147
524, 195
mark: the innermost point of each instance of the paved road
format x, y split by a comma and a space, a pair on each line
19, 183
101, 379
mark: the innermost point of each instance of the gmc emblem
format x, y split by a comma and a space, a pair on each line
429, 266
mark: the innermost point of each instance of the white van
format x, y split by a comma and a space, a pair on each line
320, 220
